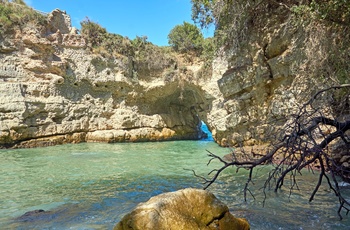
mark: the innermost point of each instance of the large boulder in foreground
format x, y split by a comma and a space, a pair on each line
184, 209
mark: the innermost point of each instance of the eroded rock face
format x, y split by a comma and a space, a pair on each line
54, 91
264, 78
183, 209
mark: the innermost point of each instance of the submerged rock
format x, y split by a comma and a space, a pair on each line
184, 209
34, 215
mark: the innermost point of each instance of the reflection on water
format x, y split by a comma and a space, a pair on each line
91, 186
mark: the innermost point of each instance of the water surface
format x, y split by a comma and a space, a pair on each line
92, 186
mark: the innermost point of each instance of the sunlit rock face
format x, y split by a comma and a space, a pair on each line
263, 78
53, 90
182, 209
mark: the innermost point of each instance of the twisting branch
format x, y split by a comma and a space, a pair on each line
304, 145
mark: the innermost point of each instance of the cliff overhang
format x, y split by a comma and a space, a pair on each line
54, 90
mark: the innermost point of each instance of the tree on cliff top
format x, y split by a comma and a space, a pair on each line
233, 17
222, 12
318, 136
186, 37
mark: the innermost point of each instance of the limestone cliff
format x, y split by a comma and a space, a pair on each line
54, 90
274, 58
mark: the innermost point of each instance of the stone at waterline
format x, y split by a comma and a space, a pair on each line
183, 209
34, 215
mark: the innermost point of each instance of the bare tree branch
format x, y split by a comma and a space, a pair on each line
304, 144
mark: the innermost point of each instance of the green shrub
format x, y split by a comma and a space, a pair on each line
5, 13
100, 41
202, 12
186, 37
93, 32
140, 42
337, 11
142, 55
208, 49
17, 14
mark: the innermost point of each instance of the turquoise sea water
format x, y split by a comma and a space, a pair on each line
92, 186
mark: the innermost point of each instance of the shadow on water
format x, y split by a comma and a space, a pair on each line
105, 211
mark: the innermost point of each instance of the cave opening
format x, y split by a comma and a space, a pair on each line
207, 135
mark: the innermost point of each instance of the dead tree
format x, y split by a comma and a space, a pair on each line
305, 143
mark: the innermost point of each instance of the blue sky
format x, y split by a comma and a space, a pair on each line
151, 18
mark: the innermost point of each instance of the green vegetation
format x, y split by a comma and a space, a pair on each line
321, 20
142, 55
202, 12
331, 23
145, 57
337, 11
232, 17
206, 12
100, 41
207, 57
139, 54
186, 37
17, 14
319, 32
